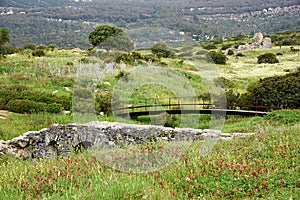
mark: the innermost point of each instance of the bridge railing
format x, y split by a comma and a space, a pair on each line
189, 103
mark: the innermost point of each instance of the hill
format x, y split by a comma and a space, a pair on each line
67, 23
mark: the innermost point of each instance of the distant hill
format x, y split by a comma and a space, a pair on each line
68, 22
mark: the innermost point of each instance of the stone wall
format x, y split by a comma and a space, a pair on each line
60, 140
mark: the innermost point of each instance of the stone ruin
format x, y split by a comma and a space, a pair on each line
61, 140
258, 41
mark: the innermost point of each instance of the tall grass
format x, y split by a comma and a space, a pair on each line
258, 167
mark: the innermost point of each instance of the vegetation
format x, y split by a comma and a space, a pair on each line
281, 91
161, 49
4, 38
261, 166
110, 37
267, 58
34, 91
38, 53
218, 57
78, 19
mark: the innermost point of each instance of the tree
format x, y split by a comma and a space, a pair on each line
4, 36
110, 37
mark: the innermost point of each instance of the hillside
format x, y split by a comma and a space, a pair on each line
67, 23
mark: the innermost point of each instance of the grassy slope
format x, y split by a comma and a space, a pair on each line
254, 167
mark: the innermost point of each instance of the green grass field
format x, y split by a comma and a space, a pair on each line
265, 166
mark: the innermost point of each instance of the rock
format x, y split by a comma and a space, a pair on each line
267, 43
60, 140
258, 39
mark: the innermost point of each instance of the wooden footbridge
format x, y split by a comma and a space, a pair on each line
184, 106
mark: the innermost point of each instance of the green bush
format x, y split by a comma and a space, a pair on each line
161, 49
210, 47
54, 108
21, 92
38, 53
52, 47
2, 104
25, 106
240, 55
267, 58
218, 57
225, 46
273, 91
230, 52
30, 46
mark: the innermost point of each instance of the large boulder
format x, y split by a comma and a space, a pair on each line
258, 39
267, 43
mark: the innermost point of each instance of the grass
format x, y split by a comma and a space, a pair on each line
256, 167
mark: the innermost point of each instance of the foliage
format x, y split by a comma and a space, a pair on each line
6, 50
217, 57
255, 167
103, 102
240, 54
38, 53
30, 46
283, 91
4, 36
36, 101
129, 58
109, 38
210, 47
267, 58
225, 46
230, 52
52, 47
161, 49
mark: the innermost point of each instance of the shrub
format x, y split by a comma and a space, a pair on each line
218, 57
225, 46
103, 102
30, 46
6, 50
54, 108
278, 90
42, 47
161, 49
240, 55
38, 53
25, 106
52, 47
2, 103
126, 58
210, 47
230, 52
267, 58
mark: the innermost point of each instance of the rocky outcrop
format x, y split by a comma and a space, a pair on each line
267, 43
258, 41
60, 140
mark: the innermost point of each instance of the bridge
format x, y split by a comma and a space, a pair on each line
155, 108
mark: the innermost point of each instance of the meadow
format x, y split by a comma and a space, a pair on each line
263, 166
